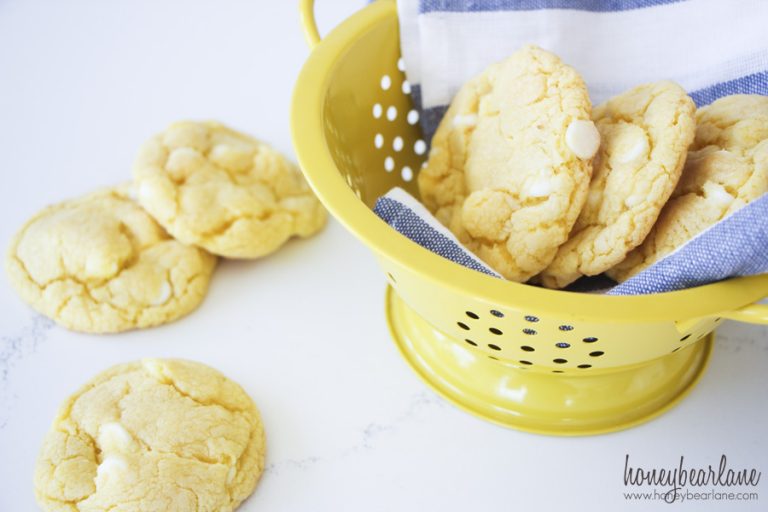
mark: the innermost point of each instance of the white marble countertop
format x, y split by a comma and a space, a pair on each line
349, 426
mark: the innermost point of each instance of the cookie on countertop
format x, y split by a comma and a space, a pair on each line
151, 436
726, 169
101, 264
511, 161
645, 134
224, 191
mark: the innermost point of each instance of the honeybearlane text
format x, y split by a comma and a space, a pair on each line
675, 479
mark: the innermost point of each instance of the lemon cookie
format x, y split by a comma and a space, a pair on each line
727, 168
224, 191
152, 436
645, 134
511, 161
100, 263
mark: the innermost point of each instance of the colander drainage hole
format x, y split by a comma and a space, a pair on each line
497, 314
685, 337
463, 325
557, 371
494, 358
392, 113
675, 350
591, 339
406, 173
377, 110
562, 345
584, 366
596, 353
420, 147
533, 319
471, 342
386, 82
525, 362
529, 332
389, 164
472, 315
378, 141
496, 331
566, 327
413, 117
559, 361
493, 347
526, 348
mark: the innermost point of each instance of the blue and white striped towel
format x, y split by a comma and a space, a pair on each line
713, 48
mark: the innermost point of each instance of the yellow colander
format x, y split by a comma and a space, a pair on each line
534, 359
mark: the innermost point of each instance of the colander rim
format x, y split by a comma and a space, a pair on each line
319, 167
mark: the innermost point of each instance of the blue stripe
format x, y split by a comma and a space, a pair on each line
756, 83
426, 6
735, 246
407, 223
428, 118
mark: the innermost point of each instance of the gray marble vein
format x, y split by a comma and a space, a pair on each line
15, 347
370, 434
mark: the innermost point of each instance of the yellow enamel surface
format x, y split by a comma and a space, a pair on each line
343, 149
306, 9
524, 398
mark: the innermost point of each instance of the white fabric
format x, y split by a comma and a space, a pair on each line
696, 43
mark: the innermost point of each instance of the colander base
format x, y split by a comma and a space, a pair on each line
535, 400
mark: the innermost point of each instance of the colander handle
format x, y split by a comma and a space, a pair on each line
753, 314
308, 23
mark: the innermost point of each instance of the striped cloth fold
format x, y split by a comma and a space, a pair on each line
735, 246
713, 48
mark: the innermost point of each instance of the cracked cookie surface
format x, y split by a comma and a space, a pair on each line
511, 161
101, 264
645, 134
152, 436
224, 191
727, 167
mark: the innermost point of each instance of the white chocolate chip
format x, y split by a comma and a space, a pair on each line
465, 120
582, 138
540, 188
717, 195
156, 369
113, 437
232, 156
633, 200
183, 161
633, 152
146, 191
163, 295
110, 466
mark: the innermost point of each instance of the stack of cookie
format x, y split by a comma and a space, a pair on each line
545, 189
142, 254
